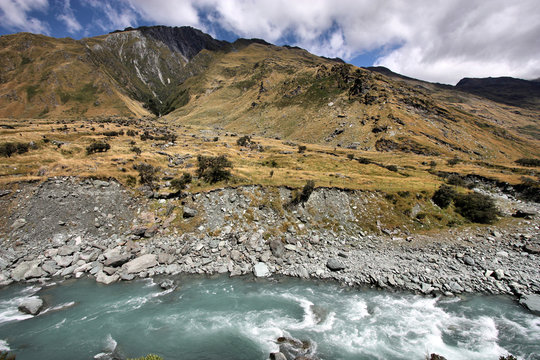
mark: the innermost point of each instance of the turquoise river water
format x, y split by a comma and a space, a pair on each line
241, 318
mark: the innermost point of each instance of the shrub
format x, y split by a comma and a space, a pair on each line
180, 184
443, 196
148, 357
147, 174
131, 180
363, 160
244, 141
301, 149
528, 162
432, 163
131, 133
455, 180
303, 196
136, 150
392, 168
10, 148
350, 156
453, 161
476, 208
213, 168
97, 146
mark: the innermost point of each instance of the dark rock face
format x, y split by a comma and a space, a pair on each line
506, 90
185, 40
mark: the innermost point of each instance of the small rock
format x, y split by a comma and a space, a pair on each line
277, 248
166, 284
31, 306
189, 212
17, 224
468, 260
532, 249
277, 356
498, 274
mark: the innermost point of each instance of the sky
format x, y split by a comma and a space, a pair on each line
434, 40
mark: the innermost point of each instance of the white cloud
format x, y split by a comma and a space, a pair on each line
14, 15
436, 40
68, 17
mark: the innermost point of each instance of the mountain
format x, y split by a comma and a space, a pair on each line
253, 87
505, 90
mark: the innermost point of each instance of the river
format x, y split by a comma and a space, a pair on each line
242, 318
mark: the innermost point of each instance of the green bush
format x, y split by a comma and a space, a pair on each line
97, 146
10, 148
136, 150
180, 184
528, 162
476, 208
301, 149
455, 180
244, 141
392, 168
213, 168
147, 174
363, 160
454, 161
350, 156
443, 196
303, 196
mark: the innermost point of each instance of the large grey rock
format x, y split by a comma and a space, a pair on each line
17, 224
140, 264
31, 306
106, 279
499, 274
19, 273
235, 255
189, 212
531, 302
468, 260
66, 250
63, 261
166, 284
116, 260
532, 249
335, 264
277, 248
261, 270
164, 258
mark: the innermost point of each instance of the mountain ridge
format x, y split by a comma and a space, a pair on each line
253, 87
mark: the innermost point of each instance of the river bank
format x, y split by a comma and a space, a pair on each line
500, 259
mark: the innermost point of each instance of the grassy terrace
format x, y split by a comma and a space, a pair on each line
61, 150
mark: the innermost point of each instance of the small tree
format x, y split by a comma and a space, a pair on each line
136, 150
443, 196
97, 146
244, 141
476, 208
213, 168
180, 184
301, 149
147, 174
8, 149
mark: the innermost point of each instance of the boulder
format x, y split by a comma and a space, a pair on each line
66, 250
139, 264
261, 270
116, 260
498, 274
532, 249
335, 264
105, 279
277, 248
166, 284
189, 212
277, 356
19, 273
31, 306
468, 260
17, 224
531, 302
164, 258
139, 231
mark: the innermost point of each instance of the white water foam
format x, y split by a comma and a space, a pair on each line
4, 346
59, 307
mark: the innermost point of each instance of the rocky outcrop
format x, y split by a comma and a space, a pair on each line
531, 302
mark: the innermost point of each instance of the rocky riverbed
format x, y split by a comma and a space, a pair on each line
115, 246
